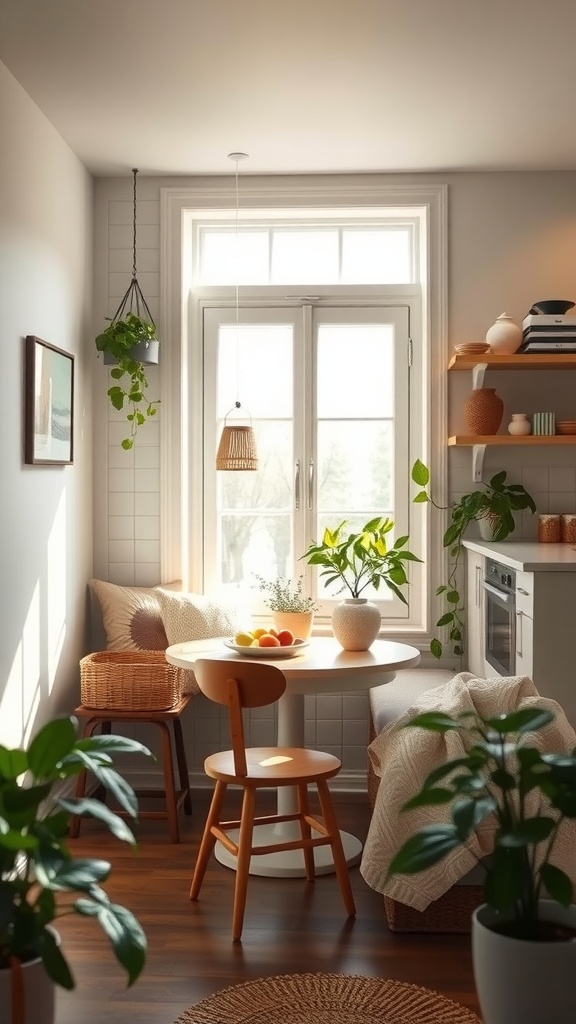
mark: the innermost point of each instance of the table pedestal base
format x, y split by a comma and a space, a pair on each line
288, 863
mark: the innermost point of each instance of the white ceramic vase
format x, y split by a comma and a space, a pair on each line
299, 623
39, 994
517, 980
519, 425
356, 623
504, 337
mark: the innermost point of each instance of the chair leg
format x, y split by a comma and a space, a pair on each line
169, 787
243, 863
340, 865
306, 831
182, 765
208, 840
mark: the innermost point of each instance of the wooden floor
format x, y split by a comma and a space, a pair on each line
290, 927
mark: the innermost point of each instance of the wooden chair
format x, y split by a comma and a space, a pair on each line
241, 686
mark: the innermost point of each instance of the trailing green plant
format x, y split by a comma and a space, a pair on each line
496, 502
119, 339
528, 793
37, 870
285, 595
359, 560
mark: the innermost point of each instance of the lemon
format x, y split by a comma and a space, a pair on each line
243, 639
257, 633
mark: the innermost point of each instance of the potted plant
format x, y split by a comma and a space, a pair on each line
524, 946
130, 343
290, 608
493, 503
356, 561
39, 876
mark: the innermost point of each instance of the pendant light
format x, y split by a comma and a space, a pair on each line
134, 301
237, 448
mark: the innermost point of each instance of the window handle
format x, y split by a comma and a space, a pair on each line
297, 485
310, 483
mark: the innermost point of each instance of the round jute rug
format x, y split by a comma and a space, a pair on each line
326, 999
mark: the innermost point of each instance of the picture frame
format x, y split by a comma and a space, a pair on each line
49, 404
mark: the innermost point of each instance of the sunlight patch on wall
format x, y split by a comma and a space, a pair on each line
21, 696
56, 591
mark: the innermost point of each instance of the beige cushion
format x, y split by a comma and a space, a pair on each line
131, 617
195, 617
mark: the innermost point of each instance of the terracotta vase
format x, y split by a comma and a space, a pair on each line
483, 411
299, 623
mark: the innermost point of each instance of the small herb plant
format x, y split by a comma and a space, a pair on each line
37, 870
528, 793
496, 502
360, 560
285, 595
119, 339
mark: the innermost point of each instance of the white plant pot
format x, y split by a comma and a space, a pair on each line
299, 623
39, 994
521, 981
356, 623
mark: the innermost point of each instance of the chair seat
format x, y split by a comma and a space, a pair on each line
273, 766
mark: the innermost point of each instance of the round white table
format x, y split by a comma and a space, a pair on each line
322, 667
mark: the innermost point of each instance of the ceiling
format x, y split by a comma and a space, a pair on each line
302, 86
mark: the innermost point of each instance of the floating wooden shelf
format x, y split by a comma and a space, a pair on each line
510, 441
537, 361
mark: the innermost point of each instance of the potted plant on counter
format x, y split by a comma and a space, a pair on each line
493, 504
130, 343
39, 876
290, 608
524, 945
355, 561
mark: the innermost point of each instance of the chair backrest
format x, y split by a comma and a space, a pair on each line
239, 685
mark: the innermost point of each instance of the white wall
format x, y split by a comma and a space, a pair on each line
46, 242
512, 241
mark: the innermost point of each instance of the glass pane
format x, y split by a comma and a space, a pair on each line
219, 264
376, 257
361, 355
254, 543
355, 469
255, 365
300, 257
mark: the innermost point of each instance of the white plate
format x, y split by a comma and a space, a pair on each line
267, 652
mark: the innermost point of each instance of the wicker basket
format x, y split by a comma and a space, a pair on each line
451, 913
129, 681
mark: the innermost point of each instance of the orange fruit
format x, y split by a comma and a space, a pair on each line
267, 640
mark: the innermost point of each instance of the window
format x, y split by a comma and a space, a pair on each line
327, 390
389, 290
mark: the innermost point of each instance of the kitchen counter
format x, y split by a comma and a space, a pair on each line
528, 556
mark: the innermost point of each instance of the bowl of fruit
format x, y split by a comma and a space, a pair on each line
266, 643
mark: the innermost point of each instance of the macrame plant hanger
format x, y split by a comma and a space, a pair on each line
133, 300
237, 448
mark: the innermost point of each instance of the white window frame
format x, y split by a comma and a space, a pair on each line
182, 383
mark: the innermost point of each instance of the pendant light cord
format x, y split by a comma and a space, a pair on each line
237, 261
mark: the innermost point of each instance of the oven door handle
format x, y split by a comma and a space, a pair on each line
500, 594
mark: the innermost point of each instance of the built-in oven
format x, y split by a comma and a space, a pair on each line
499, 586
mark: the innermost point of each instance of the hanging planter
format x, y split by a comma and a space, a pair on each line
129, 343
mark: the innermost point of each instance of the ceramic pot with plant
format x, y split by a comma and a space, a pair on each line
129, 343
355, 561
493, 505
41, 880
524, 935
290, 608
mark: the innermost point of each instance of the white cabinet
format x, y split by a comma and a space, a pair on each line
546, 634
474, 641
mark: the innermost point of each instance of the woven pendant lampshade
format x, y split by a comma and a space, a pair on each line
237, 447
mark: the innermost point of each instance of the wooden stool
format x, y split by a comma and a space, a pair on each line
174, 798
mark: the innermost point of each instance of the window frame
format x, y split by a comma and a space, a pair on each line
179, 321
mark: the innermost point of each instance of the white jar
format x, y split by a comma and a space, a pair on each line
519, 424
504, 337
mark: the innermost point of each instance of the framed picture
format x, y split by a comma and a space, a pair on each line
49, 426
